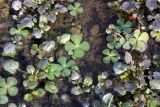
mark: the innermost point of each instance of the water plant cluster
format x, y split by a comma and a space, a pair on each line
52, 69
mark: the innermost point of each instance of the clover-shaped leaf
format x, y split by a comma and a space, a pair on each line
19, 31
50, 87
113, 42
155, 35
110, 56
124, 26
75, 9
53, 70
139, 41
76, 47
11, 66
8, 86
67, 66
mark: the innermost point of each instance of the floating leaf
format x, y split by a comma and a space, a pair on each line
119, 67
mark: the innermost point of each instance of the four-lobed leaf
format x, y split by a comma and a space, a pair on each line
155, 35
139, 41
8, 86
75, 9
19, 31
123, 26
110, 56
76, 47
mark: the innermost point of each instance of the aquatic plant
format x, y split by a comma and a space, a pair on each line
53, 71
7, 86
113, 42
110, 56
63, 68
19, 31
67, 66
123, 26
75, 8
139, 40
76, 47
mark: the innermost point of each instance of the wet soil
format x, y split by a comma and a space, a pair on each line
93, 22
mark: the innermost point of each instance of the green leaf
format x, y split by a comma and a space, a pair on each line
114, 59
76, 39
11, 81
28, 97
144, 37
80, 10
69, 46
120, 21
50, 87
73, 13
3, 99
106, 59
39, 93
30, 84
114, 52
126, 46
84, 46
77, 4
110, 38
2, 82
66, 72
62, 60
3, 91
88, 81
106, 51
51, 76
13, 91
137, 33
78, 53
70, 7
126, 30
110, 45
13, 31
20, 27
128, 24
118, 29
24, 33
70, 63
